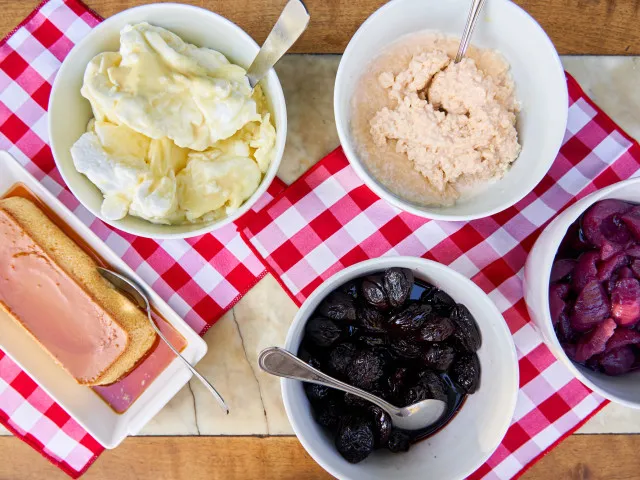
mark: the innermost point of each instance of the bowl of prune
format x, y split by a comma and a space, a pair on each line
582, 288
405, 329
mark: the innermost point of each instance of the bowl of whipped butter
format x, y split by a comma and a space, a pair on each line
154, 127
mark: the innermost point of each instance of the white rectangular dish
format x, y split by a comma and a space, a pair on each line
83, 404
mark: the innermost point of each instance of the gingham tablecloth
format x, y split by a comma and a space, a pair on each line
201, 278
329, 220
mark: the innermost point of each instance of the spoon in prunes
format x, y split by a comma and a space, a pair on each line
282, 363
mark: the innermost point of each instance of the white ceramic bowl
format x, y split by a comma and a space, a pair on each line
474, 433
538, 74
69, 112
537, 271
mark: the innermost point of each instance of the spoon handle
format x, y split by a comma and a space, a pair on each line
472, 19
292, 22
282, 363
195, 372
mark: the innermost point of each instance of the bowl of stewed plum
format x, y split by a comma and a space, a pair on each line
405, 329
582, 287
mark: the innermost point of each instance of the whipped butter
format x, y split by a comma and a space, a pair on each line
61, 316
160, 105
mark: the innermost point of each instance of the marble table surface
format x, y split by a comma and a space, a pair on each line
262, 317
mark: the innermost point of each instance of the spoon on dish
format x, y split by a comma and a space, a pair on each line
472, 19
135, 293
292, 22
282, 363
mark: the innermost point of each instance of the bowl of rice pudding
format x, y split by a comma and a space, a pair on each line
446, 140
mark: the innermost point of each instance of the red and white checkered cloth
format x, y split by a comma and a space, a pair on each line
329, 219
201, 278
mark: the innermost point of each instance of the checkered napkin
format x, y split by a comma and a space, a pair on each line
329, 219
200, 278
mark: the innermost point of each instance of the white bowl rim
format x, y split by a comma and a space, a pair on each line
556, 348
383, 192
380, 263
269, 176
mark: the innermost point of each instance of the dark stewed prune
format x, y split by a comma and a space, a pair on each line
439, 357
328, 414
374, 293
429, 290
338, 306
355, 440
465, 372
398, 283
381, 422
351, 289
322, 331
436, 329
399, 441
404, 348
340, 357
410, 318
373, 341
440, 300
467, 334
316, 393
371, 319
428, 386
396, 383
366, 369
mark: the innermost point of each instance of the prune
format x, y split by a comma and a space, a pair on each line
562, 269
351, 289
429, 385
410, 318
603, 221
372, 341
436, 329
439, 357
316, 393
564, 330
595, 341
340, 357
396, 382
353, 331
329, 413
338, 306
625, 302
398, 283
322, 331
467, 334
617, 361
427, 294
371, 319
404, 348
399, 441
465, 372
366, 369
355, 440
374, 293
591, 307
381, 423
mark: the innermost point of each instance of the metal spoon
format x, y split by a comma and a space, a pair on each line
282, 363
136, 293
292, 22
472, 19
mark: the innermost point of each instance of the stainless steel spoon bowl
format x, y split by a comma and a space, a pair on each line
282, 363
136, 293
